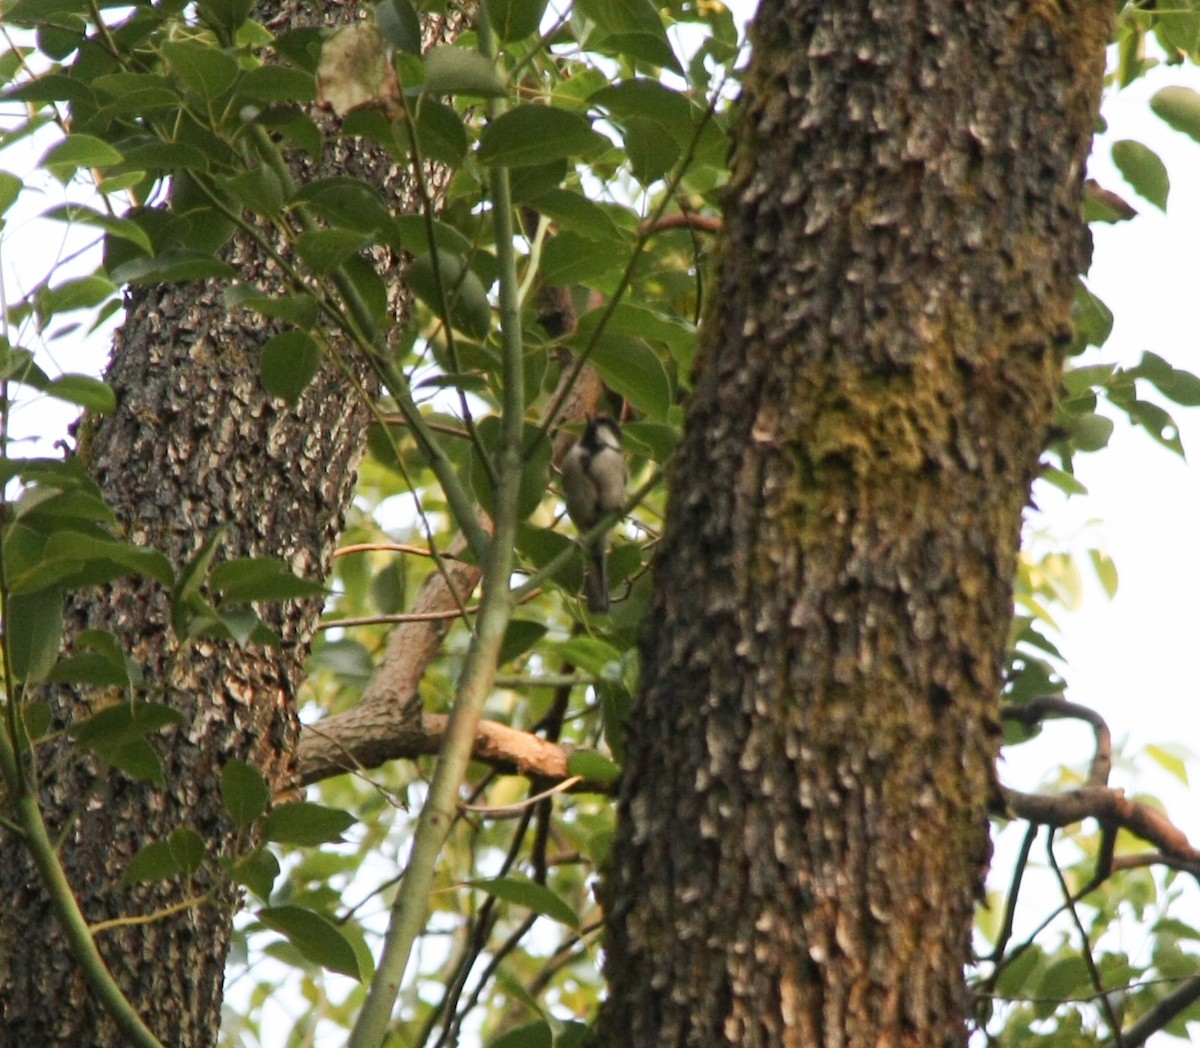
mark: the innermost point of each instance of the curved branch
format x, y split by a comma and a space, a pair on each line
1112, 808
1052, 707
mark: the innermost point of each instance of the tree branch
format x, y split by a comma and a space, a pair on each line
1109, 806
1052, 707
381, 738
1158, 1016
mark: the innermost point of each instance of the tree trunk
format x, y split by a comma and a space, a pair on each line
803, 819
194, 446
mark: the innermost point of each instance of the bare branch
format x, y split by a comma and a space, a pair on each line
1055, 707
368, 736
1158, 1016
1110, 807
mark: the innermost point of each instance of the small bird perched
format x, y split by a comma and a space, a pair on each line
594, 479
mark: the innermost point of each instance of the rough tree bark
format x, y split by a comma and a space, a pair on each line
802, 825
194, 446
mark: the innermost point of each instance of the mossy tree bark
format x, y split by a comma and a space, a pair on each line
803, 818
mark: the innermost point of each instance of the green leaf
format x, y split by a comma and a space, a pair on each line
1178, 31
652, 48
1080, 380
126, 720
90, 668
534, 134
1020, 976
118, 735
451, 70
244, 792
315, 936
258, 872
369, 287
469, 308
1103, 205
244, 627
388, 586
1179, 107
52, 509
258, 190
245, 579
345, 202
1106, 571
276, 83
1091, 432
399, 25
192, 578
575, 213
34, 633
345, 658
628, 28
182, 853
652, 154
1169, 761
127, 555
532, 1035
298, 309
173, 266
137, 93
1157, 422
570, 259
655, 440
1180, 386
1143, 170
1093, 319
81, 293
529, 183
305, 823
323, 250
633, 369
10, 189
203, 68
441, 135
85, 391
593, 655
1064, 979
410, 233
593, 766
647, 99
520, 636
166, 156
225, 14
530, 895
38, 718
515, 19
289, 363
77, 151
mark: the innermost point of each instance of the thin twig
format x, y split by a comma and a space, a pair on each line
1085, 944
521, 806
1158, 1016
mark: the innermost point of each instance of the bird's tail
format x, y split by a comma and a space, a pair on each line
595, 582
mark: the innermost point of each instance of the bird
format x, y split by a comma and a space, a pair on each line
594, 481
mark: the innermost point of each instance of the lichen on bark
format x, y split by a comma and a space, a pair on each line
802, 826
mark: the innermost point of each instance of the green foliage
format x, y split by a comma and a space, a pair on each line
184, 121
